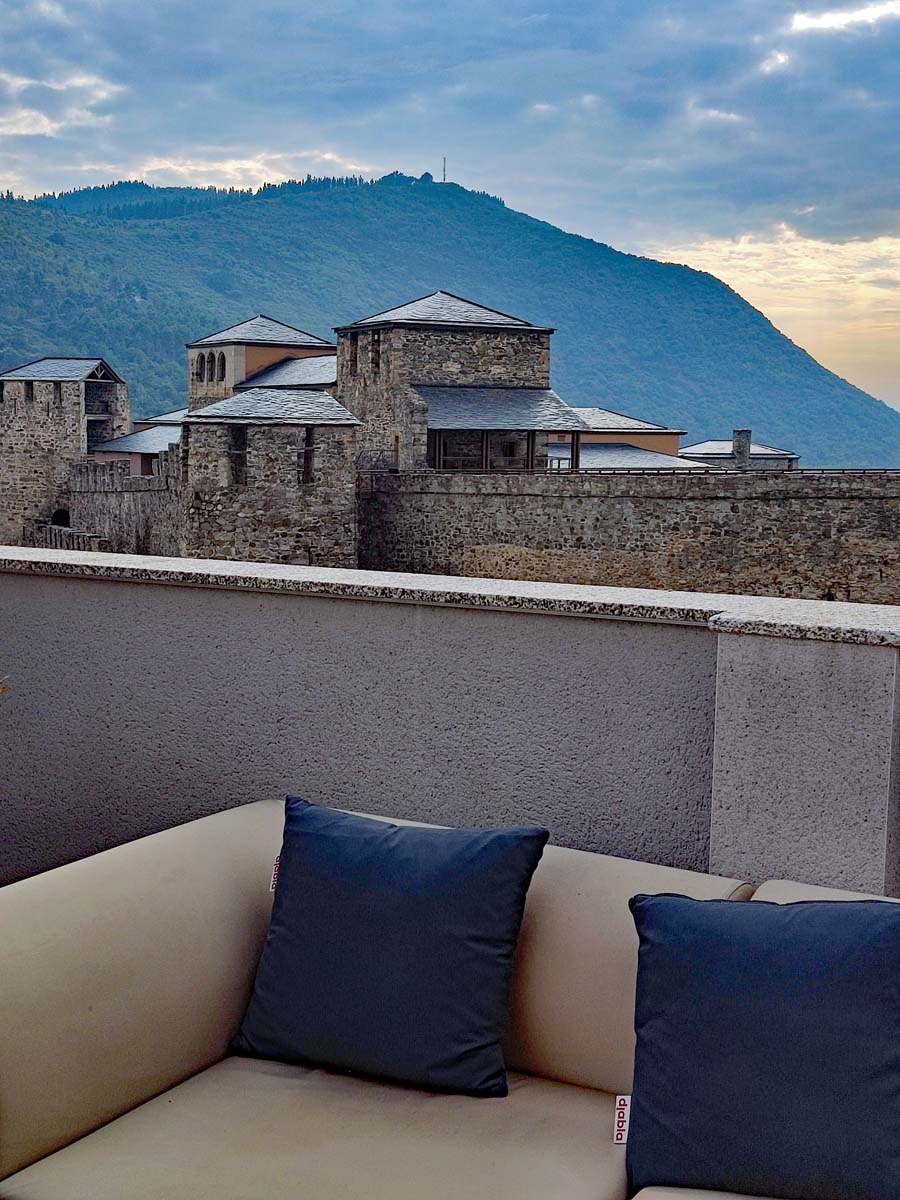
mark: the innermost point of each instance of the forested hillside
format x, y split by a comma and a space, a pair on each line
132, 273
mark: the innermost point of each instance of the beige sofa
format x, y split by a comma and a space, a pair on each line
123, 977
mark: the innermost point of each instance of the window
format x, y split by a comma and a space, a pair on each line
220, 368
352, 351
200, 368
237, 452
57, 393
306, 458
376, 352
28, 389
211, 367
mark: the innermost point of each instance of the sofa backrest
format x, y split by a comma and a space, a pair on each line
572, 1008
784, 891
125, 973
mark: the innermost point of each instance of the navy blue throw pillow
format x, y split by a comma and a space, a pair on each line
768, 1048
391, 948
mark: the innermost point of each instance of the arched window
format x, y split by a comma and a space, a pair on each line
211, 367
200, 367
60, 517
220, 370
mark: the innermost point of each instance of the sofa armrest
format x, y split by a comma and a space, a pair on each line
126, 972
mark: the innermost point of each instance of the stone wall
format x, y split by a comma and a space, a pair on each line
133, 514
40, 436
793, 533
271, 502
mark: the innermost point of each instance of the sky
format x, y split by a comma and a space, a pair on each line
755, 139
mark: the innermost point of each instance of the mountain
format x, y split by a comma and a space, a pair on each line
132, 272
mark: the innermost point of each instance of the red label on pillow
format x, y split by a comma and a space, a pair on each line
621, 1119
274, 883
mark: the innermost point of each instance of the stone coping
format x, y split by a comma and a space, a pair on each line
819, 620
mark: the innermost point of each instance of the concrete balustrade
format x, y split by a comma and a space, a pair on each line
749, 736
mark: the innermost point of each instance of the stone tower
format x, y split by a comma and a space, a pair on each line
440, 340
52, 413
221, 362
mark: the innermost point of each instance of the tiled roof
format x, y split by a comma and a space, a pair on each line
725, 449
145, 441
63, 370
498, 408
175, 417
315, 371
275, 406
617, 456
261, 331
605, 420
442, 308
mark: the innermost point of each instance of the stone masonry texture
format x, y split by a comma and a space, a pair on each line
818, 536
276, 513
133, 514
377, 368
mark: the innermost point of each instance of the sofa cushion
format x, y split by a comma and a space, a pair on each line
767, 1055
391, 948
667, 1193
249, 1128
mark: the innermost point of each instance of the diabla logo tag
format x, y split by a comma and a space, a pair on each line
621, 1120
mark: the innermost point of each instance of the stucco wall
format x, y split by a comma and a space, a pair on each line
135, 706
822, 536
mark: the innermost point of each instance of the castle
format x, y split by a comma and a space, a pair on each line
427, 438
263, 462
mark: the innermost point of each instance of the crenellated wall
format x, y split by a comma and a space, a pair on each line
279, 504
792, 533
133, 514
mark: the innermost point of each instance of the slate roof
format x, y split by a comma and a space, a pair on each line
617, 456
145, 441
498, 408
175, 417
315, 371
260, 331
275, 406
443, 308
607, 421
725, 449
61, 370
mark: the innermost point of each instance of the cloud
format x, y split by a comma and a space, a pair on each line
98, 89
80, 94
50, 11
699, 112
776, 61
868, 14
833, 298
252, 171
30, 122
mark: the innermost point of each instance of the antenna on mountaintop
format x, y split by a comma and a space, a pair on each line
445, 168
